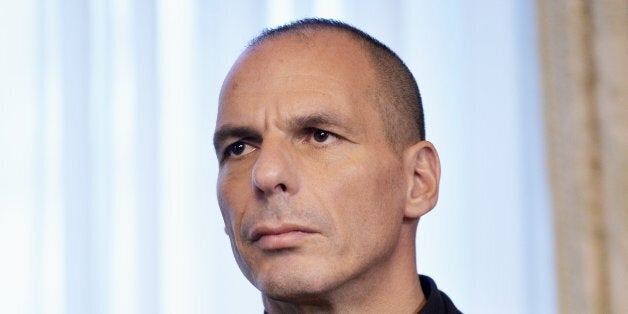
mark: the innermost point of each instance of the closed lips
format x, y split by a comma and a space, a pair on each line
259, 232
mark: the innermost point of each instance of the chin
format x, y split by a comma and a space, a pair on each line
294, 285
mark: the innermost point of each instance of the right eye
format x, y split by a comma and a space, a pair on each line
238, 149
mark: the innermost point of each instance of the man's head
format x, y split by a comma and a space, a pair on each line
323, 174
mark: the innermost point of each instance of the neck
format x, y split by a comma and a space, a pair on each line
390, 287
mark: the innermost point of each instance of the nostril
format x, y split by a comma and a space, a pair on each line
282, 187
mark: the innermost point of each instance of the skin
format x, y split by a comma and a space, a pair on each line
320, 210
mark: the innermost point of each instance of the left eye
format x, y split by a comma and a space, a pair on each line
320, 135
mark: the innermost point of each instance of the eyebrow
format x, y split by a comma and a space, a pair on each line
230, 131
318, 119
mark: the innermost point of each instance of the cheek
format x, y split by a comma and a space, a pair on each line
367, 200
231, 192
230, 200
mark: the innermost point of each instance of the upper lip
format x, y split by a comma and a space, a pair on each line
263, 230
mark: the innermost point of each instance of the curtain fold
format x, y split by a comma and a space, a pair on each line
585, 72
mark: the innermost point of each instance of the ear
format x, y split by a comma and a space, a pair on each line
422, 169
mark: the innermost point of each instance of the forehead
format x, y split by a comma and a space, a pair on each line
318, 70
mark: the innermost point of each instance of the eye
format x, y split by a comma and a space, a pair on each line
238, 149
320, 135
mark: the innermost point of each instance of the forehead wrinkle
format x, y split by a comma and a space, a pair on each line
289, 84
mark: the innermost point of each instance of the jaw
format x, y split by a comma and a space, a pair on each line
391, 285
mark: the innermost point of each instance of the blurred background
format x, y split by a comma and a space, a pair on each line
107, 172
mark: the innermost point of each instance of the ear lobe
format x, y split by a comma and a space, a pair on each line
422, 168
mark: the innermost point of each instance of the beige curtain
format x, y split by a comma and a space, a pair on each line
584, 48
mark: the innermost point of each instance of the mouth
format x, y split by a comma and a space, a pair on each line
279, 237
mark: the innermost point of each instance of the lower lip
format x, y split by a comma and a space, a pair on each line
281, 241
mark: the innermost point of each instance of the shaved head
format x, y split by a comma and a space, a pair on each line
323, 170
396, 94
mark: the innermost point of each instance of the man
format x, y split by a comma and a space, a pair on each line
324, 172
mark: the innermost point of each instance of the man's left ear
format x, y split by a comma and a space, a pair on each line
422, 169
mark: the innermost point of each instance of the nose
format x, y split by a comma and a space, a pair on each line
274, 170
